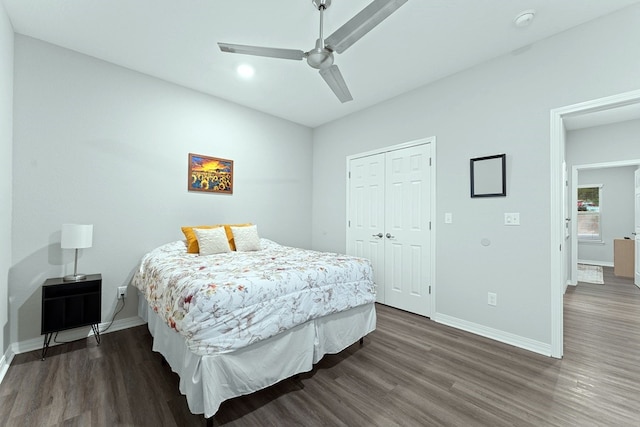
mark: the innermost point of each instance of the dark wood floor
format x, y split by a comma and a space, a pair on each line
410, 372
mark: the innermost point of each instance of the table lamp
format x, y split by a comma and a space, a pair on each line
76, 236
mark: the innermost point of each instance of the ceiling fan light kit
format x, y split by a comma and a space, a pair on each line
321, 56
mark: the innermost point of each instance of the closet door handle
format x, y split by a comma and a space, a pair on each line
389, 236
379, 235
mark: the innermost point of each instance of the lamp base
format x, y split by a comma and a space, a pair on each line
74, 277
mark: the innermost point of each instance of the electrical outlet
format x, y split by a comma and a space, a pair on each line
122, 292
492, 299
512, 218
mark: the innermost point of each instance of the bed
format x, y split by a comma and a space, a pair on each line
233, 323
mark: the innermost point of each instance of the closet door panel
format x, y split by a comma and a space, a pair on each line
366, 214
407, 216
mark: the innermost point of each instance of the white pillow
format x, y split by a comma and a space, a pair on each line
246, 238
212, 240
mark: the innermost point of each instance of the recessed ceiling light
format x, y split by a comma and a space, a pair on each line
245, 71
524, 18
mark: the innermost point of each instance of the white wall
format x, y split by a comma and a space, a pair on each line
501, 106
601, 144
616, 211
6, 138
607, 143
97, 143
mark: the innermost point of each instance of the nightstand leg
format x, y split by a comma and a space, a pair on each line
45, 344
96, 332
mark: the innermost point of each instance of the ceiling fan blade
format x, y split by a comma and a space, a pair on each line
361, 24
334, 79
262, 51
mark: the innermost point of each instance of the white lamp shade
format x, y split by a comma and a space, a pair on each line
76, 236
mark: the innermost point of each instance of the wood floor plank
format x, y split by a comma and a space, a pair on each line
409, 372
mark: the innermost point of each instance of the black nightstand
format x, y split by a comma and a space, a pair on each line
68, 305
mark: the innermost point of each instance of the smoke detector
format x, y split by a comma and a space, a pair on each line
524, 18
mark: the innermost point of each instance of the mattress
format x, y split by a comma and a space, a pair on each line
222, 303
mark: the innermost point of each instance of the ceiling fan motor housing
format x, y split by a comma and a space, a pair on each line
320, 57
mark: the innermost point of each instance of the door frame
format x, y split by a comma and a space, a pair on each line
432, 261
636, 228
557, 252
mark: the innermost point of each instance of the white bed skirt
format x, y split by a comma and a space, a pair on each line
207, 381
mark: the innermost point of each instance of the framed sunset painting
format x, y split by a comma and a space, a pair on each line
210, 174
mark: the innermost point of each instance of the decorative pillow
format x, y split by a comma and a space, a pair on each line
212, 240
192, 240
227, 229
246, 238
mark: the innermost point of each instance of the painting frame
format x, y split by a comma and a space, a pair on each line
489, 176
210, 174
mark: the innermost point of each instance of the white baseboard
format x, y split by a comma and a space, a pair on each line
5, 362
495, 334
75, 334
570, 283
70, 335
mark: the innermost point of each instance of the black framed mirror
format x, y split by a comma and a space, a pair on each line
489, 176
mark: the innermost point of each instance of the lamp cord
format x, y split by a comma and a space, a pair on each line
114, 315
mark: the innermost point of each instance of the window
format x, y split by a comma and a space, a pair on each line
589, 211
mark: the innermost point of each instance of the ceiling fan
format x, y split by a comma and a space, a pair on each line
321, 57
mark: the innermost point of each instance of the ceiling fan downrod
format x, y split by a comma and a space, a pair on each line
320, 57
321, 4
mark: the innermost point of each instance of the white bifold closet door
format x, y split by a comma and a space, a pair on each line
389, 223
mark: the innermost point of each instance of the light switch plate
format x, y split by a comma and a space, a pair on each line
492, 299
448, 218
512, 218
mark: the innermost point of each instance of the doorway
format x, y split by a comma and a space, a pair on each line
576, 169
606, 110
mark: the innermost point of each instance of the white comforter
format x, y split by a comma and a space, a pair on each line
224, 302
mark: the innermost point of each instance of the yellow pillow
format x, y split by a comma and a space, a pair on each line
192, 240
227, 229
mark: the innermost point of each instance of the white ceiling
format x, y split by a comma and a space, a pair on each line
423, 41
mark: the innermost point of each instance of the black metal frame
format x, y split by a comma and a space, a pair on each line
47, 338
503, 175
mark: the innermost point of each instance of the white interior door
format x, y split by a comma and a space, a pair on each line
407, 229
637, 228
366, 214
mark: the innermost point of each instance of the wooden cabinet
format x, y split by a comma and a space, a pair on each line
68, 305
623, 257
